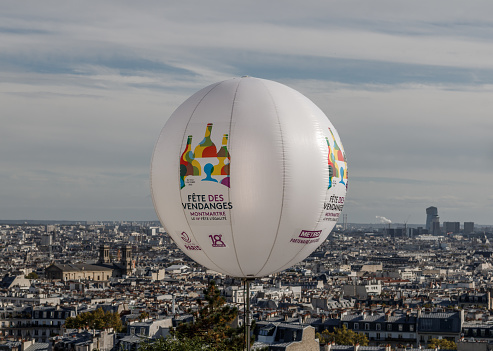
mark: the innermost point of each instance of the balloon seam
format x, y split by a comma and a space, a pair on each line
283, 179
229, 190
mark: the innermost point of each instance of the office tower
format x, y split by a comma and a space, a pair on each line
451, 227
435, 226
468, 227
431, 219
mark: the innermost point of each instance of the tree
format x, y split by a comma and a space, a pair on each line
444, 344
97, 319
172, 344
32, 275
342, 336
213, 324
211, 330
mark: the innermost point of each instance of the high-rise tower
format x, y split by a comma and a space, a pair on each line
432, 219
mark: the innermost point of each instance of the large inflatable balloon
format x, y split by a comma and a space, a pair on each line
248, 177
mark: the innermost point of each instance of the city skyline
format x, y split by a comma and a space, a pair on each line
86, 89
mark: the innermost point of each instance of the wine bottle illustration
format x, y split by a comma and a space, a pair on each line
222, 167
206, 147
188, 159
339, 154
331, 165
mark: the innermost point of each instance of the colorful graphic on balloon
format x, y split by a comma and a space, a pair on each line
336, 162
275, 203
215, 163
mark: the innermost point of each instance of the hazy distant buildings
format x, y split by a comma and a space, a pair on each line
451, 227
468, 227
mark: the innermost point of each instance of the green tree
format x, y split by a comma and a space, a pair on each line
342, 336
172, 344
32, 275
444, 344
97, 319
213, 324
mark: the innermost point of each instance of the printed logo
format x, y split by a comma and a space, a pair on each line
206, 162
189, 245
217, 240
336, 162
185, 237
310, 234
307, 237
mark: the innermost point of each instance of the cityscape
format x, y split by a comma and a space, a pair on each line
401, 285
236, 176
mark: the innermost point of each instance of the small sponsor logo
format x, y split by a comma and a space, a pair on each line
310, 234
189, 245
184, 236
217, 240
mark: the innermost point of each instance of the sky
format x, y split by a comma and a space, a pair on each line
85, 88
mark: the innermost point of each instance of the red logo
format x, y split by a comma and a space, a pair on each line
310, 234
217, 240
185, 237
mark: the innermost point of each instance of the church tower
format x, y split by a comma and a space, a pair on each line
127, 260
104, 254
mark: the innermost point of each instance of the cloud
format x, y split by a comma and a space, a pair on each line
87, 87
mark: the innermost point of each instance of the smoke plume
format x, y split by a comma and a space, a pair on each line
383, 219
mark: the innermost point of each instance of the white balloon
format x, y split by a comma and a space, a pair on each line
248, 177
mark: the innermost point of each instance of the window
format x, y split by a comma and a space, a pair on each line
483, 332
379, 326
378, 336
356, 326
411, 327
401, 327
132, 331
346, 325
389, 326
367, 326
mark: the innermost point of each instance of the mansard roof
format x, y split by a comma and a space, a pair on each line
77, 267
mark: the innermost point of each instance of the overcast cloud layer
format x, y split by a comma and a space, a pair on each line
87, 86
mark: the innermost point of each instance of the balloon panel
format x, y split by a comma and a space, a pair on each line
248, 177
